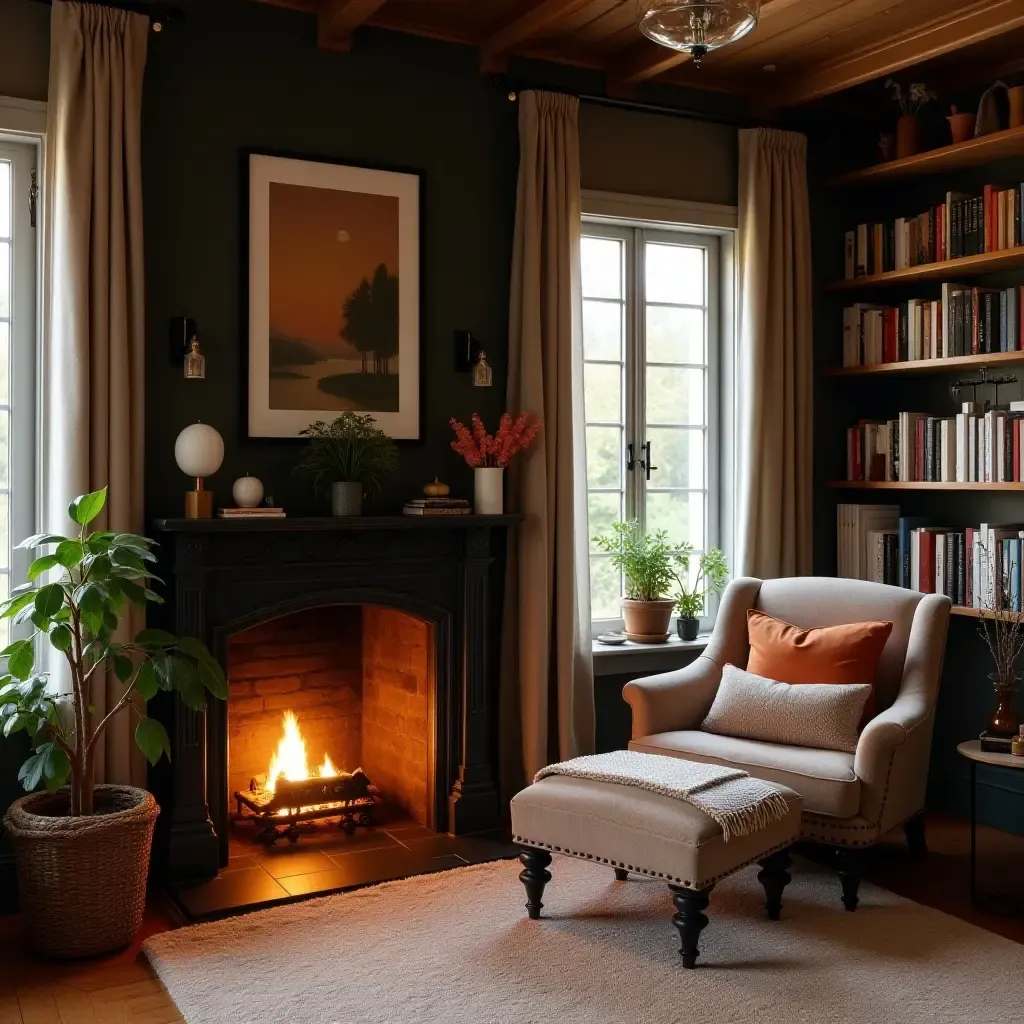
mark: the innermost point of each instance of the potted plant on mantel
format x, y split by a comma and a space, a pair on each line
350, 457
648, 562
83, 849
712, 576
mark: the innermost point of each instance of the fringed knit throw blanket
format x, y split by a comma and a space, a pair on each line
739, 804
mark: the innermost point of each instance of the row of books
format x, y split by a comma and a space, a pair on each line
965, 321
976, 567
963, 225
437, 507
974, 446
259, 512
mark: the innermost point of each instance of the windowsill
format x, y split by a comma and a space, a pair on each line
629, 647
647, 658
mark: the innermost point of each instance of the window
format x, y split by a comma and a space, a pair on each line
650, 330
17, 362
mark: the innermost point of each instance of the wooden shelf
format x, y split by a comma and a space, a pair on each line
986, 263
908, 366
980, 613
973, 153
920, 485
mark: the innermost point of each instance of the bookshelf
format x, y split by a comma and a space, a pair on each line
991, 360
921, 485
966, 266
980, 613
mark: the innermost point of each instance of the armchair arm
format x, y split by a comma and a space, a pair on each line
673, 700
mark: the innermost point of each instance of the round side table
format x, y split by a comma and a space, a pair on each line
975, 755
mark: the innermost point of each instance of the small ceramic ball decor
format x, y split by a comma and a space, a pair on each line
247, 492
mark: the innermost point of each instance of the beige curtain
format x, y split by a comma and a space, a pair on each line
774, 360
547, 685
92, 361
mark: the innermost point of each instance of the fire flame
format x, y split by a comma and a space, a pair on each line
289, 760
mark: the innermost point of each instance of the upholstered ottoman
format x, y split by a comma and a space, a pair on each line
649, 833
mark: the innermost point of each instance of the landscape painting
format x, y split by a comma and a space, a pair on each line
334, 296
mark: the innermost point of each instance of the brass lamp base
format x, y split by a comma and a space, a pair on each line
199, 503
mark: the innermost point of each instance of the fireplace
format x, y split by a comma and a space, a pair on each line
379, 635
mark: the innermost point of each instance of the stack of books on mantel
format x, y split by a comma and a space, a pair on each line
437, 507
260, 512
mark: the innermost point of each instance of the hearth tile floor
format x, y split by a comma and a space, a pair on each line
329, 861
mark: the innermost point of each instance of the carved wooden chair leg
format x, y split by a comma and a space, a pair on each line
534, 877
850, 865
621, 874
914, 831
774, 876
690, 920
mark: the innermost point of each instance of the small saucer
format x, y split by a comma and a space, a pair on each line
641, 638
612, 639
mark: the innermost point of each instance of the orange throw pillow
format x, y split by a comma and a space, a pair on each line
829, 654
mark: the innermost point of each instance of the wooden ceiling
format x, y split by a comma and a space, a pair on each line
801, 51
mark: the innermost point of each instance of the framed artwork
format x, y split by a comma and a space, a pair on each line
333, 295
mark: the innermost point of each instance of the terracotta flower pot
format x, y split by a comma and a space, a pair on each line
649, 619
962, 126
1016, 98
908, 136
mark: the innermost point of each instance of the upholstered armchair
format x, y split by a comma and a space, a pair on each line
850, 800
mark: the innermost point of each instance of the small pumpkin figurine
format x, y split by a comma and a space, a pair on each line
436, 489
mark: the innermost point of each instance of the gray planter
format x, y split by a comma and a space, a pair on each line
346, 499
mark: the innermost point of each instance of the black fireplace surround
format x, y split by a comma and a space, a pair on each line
226, 576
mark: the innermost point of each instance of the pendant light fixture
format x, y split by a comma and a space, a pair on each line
697, 26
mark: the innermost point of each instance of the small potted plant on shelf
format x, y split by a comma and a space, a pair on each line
83, 849
488, 455
648, 562
908, 128
712, 576
350, 457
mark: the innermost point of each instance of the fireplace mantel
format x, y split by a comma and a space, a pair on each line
224, 576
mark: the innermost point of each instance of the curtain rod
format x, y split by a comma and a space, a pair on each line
638, 106
158, 14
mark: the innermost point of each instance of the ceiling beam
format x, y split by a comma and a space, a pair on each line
974, 23
548, 13
338, 19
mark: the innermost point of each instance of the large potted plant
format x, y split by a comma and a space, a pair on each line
712, 576
83, 849
350, 457
648, 562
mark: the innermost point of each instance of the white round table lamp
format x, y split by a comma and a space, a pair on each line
199, 451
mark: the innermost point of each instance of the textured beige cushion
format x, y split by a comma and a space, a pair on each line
641, 831
821, 715
824, 778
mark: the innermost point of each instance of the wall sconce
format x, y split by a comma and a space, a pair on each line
471, 358
185, 348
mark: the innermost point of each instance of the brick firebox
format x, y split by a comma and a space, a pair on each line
357, 680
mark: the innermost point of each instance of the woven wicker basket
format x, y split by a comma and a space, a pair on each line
82, 881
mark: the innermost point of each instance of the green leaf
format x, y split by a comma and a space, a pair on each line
56, 767
100, 568
152, 595
145, 682
156, 638
123, 667
20, 658
15, 604
133, 592
50, 599
31, 772
70, 553
152, 739
85, 509
15, 723
211, 676
125, 556
98, 543
41, 565
91, 606
37, 540
61, 638
109, 620
41, 622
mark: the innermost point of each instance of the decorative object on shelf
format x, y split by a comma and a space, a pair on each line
333, 295
83, 850
247, 491
483, 375
886, 142
648, 562
961, 125
1017, 746
612, 639
1015, 98
436, 489
199, 452
437, 507
993, 115
262, 512
908, 128
697, 26
488, 455
712, 576
1004, 637
346, 457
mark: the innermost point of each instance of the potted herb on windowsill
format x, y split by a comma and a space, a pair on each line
712, 576
647, 562
83, 849
350, 457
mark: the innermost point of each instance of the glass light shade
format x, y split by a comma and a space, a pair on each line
199, 450
697, 26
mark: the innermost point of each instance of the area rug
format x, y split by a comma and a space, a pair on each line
458, 948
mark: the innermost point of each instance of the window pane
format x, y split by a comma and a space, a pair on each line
675, 273
5, 356
5, 199
602, 330
605, 588
605, 509
604, 456
602, 392
5, 279
5, 624
602, 268
681, 514
679, 456
675, 335
5, 533
675, 395
5, 449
